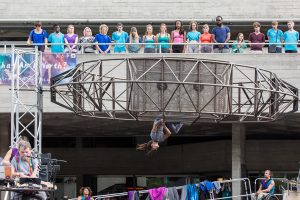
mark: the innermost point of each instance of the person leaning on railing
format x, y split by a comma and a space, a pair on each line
87, 38
38, 36
149, 40
133, 41
256, 37
239, 45
275, 36
56, 37
193, 38
103, 38
178, 37
71, 39
163, 39
267, 186
290, 36
206, 40
119, 37
220, 34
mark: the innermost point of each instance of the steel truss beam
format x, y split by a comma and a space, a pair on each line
26, 88
186, 89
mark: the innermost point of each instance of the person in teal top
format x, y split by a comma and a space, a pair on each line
163, 39
149, 40
56, 37
239, 45
290, 36
275, 36
119, 36
267, 186
193, 37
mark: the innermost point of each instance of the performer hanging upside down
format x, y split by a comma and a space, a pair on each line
161, 130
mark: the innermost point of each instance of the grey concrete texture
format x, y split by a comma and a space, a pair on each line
150, 9
180, 159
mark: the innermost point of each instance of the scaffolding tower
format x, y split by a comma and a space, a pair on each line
27, 96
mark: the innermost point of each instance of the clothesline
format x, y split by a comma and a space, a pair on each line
177, 188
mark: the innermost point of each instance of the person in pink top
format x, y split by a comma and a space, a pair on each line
178, 37
205, 40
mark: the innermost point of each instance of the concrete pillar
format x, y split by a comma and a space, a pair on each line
238, 156
4, 137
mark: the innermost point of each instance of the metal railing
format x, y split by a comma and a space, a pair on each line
157, 46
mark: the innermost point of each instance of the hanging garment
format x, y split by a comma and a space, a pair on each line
206, 187
209, 186
217, 186
172, 194
202, 187
157, 193
183, 193
192, 192
133, 195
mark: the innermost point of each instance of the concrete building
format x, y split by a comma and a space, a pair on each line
101, 153
105, 149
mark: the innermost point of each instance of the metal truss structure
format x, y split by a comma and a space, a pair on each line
26, 88
189, 90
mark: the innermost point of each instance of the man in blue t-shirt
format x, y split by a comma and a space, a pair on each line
220, 34
291, 36
56, 37
275, 36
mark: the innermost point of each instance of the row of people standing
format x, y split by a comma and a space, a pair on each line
173, 42
275, 36
163, 42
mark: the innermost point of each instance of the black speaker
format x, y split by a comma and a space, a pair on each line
44, 173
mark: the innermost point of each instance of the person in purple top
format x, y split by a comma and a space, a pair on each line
38, 36
103, 38
13, 151
256, 37
71, 39
220, 34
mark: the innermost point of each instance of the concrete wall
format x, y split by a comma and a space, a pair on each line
150, 9
196, 158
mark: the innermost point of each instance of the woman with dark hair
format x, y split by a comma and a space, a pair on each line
38, 36
178, 37
85, 194
159, 133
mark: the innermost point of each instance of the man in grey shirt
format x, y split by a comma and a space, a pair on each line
24, 166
